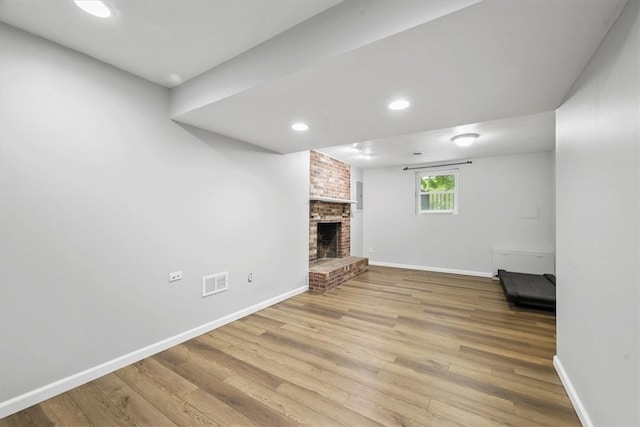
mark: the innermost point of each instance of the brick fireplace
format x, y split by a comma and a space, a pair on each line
322, 213
330, 263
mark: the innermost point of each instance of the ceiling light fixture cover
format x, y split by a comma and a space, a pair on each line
399, 104
465, 140
94, 7
301, 127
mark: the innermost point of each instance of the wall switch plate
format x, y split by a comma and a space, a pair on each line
176, 275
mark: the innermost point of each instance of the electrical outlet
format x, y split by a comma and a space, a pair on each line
250, 278
370, 250
176, 275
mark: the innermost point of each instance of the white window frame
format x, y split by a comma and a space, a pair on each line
419, 192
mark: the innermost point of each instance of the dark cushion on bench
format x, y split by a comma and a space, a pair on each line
529, 290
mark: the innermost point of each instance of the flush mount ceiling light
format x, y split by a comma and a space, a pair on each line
399, 104
94, 7
300, 127
465, 140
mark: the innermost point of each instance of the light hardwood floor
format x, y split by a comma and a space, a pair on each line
391, 347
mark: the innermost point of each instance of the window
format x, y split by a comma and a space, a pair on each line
437, 192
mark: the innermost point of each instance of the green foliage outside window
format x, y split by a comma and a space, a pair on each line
438, 183
437, 193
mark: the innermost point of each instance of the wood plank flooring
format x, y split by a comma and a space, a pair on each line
389, 348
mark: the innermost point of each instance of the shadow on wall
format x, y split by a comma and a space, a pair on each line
228, 144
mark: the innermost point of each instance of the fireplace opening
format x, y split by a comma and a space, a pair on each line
328, 239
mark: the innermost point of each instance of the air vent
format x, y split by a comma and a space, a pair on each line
214, 283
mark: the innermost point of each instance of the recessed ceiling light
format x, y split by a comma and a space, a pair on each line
300, 127
399, 104
465, 140
94, 7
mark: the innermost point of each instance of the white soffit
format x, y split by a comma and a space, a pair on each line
343, 28
167, 41
488, 61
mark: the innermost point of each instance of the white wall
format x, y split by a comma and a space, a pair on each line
598, 231
492, 194
356, 216
102, 196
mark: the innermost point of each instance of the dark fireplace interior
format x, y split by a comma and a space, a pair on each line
328, 239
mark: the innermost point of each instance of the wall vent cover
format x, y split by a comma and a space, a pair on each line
214, 283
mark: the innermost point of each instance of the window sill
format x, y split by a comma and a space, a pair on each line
437, 213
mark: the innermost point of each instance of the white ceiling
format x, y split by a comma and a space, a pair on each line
517, 135
488, 61
164, 41
497, 67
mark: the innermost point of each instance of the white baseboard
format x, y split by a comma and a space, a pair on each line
585, 419
434, 269
38, 395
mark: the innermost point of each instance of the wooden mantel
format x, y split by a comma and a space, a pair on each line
331, 200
